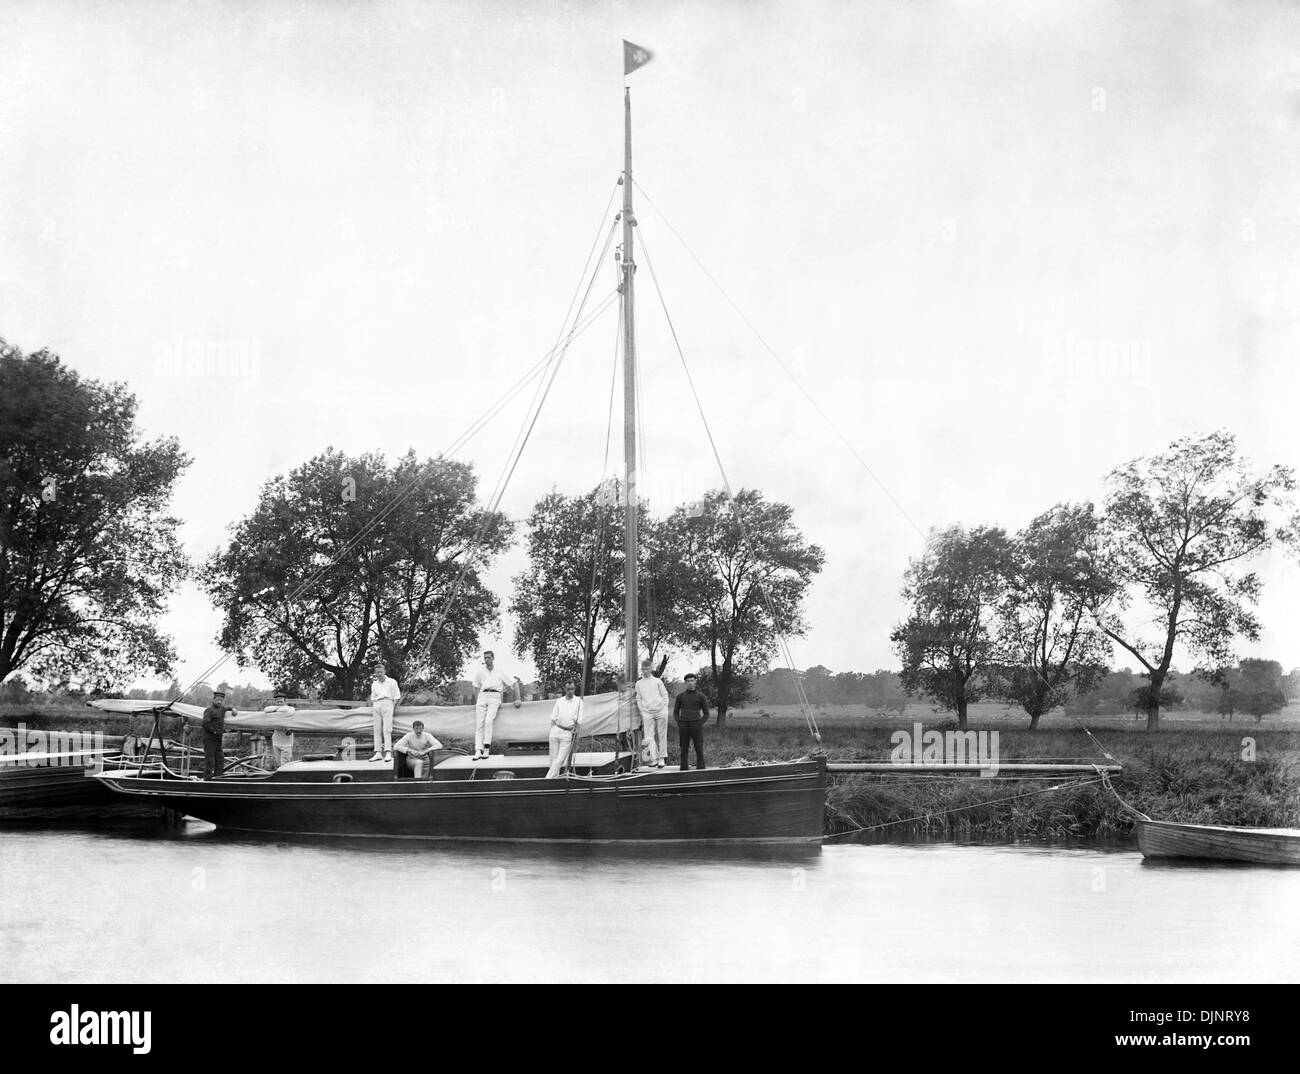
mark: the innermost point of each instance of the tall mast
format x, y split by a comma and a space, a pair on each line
632, 634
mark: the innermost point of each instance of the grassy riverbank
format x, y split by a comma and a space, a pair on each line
1197, 769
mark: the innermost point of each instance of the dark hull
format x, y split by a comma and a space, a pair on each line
62, 793
778, 803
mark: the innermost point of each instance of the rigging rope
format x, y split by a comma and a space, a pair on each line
777, 358
734, 507
538, 370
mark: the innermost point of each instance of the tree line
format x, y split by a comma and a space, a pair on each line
1162, 567
347, 560
1253, 687
351, 559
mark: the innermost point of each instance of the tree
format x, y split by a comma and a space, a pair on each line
15, 691
1047, 641
347, 560
850, 688
1180, 527
568, 604
819, 685
744, 567
88, 553
948, 643
1260, 687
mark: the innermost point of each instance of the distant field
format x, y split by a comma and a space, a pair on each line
990, 716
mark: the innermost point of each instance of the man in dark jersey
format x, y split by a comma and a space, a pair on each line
690, 710
214, 727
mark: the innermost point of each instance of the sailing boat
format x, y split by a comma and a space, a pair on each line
604, 797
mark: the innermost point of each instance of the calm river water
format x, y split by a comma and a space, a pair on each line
124, 905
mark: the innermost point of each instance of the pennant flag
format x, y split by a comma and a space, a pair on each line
635, 56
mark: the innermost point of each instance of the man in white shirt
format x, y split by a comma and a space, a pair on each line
384, 696
417, 744
652, 703
566, 718
491, 684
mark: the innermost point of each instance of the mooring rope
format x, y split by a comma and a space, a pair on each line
809, 718
955, 809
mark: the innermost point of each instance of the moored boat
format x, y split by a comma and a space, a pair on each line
59, 785
470, 800
1213, 842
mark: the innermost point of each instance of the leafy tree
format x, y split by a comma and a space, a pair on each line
349, 559
88, 553
849, 688
568, 604
1181, 526
1259, 687
955, 589
819, 685
739, 593
15, 691
1047, 640
885, 692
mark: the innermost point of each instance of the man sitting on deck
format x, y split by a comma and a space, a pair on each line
566, 717
417, 746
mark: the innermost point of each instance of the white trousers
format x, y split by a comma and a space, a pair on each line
654, 730
484, 713
561, 748
417, 765
383, 726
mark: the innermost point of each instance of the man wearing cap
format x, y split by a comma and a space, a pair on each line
214, 727
690, 710
418, 745
652, 703
384, 696
491, 684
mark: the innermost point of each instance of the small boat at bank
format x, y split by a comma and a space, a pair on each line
1212, 842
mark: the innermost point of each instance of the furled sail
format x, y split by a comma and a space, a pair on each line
602, 714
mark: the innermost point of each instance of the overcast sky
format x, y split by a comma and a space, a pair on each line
1006, 246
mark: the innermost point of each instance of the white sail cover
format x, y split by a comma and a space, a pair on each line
602, 714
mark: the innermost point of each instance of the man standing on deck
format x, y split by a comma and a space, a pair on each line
566, 717
652, 703
690, 710
491, 684
214, 728
384, 696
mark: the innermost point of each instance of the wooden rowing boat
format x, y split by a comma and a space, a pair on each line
1212, 842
